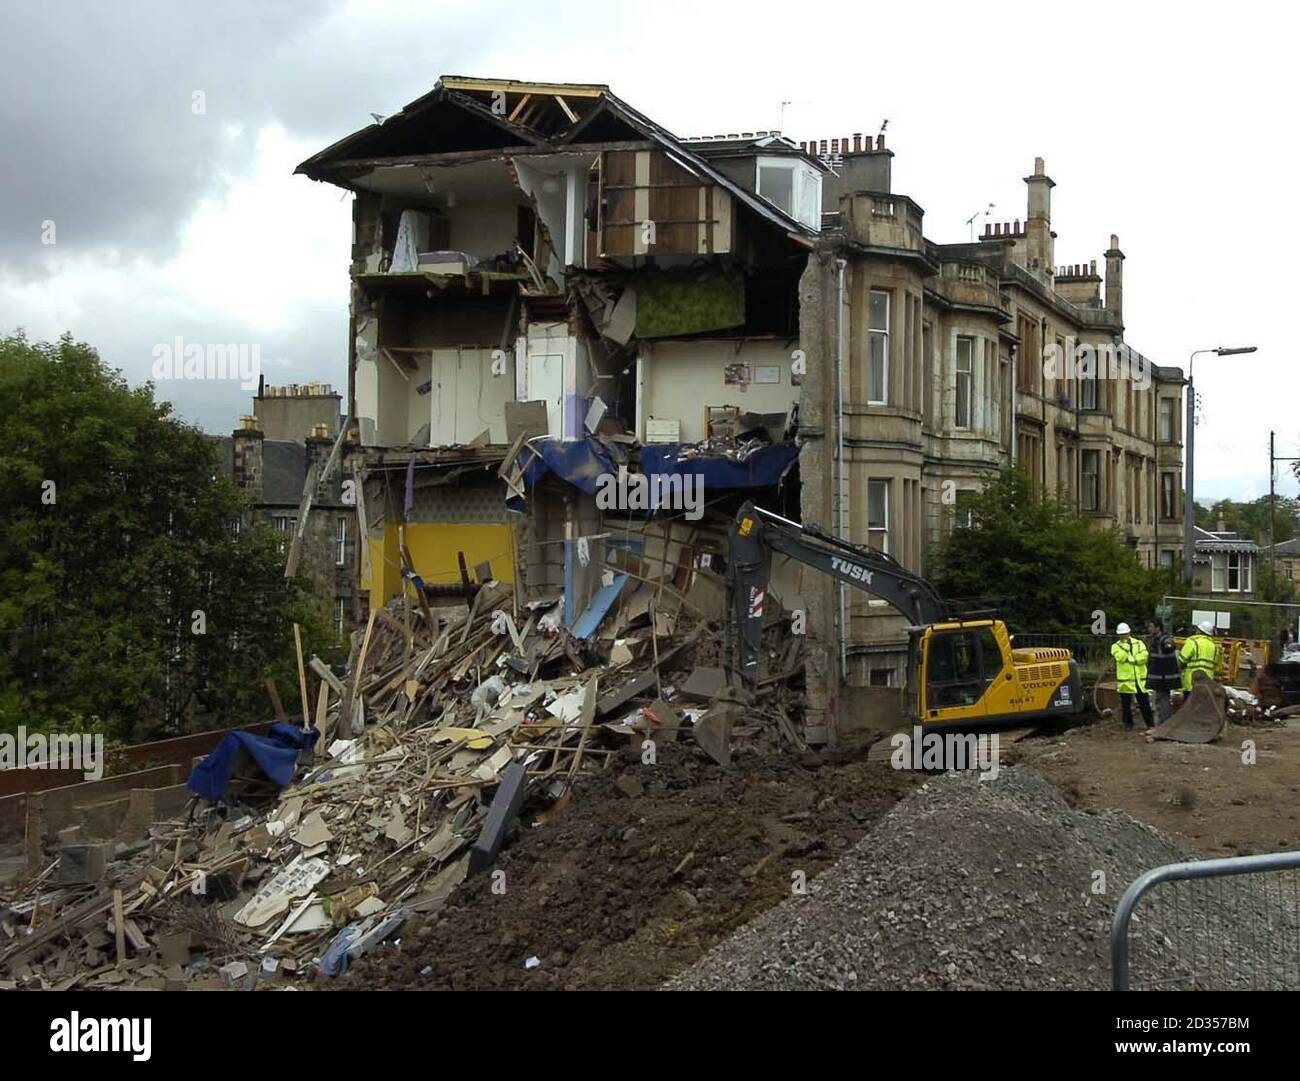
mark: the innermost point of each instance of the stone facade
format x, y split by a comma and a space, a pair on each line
945, 373
272, 473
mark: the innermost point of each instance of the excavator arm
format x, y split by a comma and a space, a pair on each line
757, 533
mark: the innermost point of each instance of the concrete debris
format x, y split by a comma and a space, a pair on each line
449, 724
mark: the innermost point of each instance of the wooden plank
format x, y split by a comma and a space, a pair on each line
333, 460
363, 527
119, 928
431, 624
361, 658
304, 509
323, 670
280, 715
322, 713
644, 681
302, 675
573, 117
514, 113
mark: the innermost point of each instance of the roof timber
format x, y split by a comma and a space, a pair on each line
569, 90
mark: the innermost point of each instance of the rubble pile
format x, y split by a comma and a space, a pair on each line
978, 883
446, 726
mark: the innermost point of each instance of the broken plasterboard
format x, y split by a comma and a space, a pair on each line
296, 879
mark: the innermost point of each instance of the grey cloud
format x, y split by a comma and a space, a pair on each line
100, 134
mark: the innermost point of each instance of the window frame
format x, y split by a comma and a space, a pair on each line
969, 373
1161, 435
1234, 572
1083, 481
874, 335
1218, 572
882, 529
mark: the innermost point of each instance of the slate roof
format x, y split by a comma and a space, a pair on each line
284, 469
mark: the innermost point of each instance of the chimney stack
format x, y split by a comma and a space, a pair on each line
246, 447
319, 444
1039, 246
1115, 279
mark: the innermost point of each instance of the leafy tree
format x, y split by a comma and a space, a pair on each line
1046, 568
1251, 520
117, 546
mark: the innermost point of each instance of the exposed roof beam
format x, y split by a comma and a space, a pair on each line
514, 114
572, 90
458, 157
573, 117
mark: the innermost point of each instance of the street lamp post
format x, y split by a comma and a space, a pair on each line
1189, 501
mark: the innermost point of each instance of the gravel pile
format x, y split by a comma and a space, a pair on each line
971, 884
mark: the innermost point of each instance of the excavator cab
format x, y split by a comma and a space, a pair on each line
961, 669
967, 672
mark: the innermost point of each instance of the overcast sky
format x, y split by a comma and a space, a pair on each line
160, 139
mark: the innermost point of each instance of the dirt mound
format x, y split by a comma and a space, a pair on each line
967, 884
645, 869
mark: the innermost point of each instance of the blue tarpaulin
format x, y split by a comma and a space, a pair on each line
276, 755
763, 468
581, 462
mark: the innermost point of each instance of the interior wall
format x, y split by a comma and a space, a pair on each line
678, 379
483, 228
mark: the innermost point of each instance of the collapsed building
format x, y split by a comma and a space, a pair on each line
550, 290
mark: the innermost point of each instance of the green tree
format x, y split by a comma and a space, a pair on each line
1046, 568
1251, 520
117, 546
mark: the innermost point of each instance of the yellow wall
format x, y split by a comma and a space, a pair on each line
433, 547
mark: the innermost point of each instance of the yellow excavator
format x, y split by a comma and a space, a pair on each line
961, 669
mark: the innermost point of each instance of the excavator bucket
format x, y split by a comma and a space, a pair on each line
1202, 716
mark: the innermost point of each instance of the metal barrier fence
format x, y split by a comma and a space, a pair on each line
1211, 925
1092, 651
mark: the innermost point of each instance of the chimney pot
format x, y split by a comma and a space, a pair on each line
835, 146
1092, 267
857, 143
1114, 241
1040, 168
844, 144
997, 229
988, 228
880, 141
1017, 227
823, 150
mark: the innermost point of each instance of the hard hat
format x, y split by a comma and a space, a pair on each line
1122, 629
1205, 627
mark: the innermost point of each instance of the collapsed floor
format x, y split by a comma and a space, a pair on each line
646, 869
509, 831
448, 726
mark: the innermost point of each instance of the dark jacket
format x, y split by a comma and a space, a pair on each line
1162, 663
